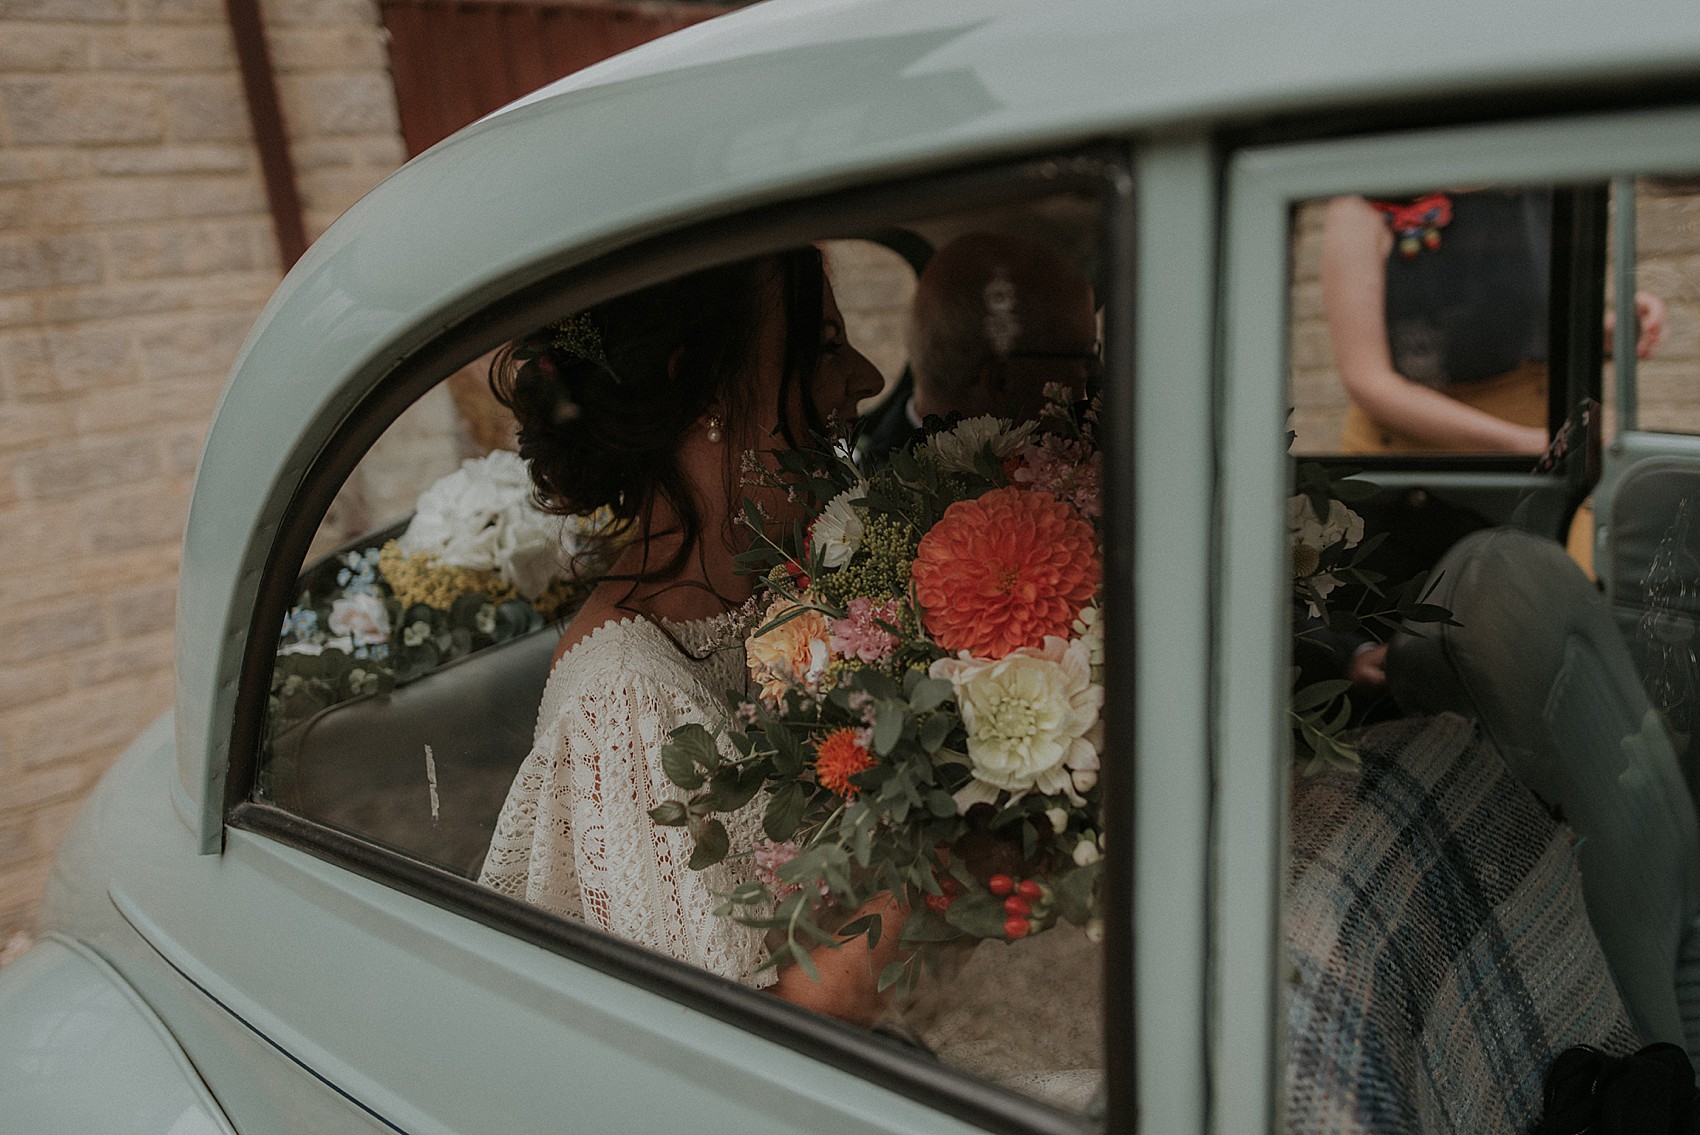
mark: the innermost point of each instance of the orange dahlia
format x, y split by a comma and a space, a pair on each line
1003, 571
839, 757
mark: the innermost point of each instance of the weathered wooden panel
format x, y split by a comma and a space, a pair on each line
457, 60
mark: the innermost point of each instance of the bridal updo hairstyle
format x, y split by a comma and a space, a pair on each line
606, 431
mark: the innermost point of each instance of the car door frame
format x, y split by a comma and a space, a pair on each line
1252, 613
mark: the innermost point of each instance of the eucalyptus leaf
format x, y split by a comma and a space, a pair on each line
805, 963
868, 924
889, 718
930, 693
784, 813
1074, 892
749, 891
1429, 613
712, 845
978, 914
671, 814
862, 843
676, 762
923, 926
877, 685
1318, 694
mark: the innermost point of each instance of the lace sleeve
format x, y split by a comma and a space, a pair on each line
574, 835
632, 873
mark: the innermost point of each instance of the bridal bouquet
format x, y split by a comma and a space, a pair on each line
927, 658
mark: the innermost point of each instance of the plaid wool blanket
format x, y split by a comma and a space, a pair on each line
1440, 952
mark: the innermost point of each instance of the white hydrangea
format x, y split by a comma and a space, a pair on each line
481, 517
837, 532
958, 447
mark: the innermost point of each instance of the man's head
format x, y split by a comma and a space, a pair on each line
996, 318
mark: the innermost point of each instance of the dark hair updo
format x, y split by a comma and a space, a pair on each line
606, 432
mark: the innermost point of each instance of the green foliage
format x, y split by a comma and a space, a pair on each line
1335, 591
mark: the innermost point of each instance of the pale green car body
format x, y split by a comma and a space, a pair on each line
266, 990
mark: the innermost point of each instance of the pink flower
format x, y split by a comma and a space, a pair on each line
1069, 470
769, 858
859, 634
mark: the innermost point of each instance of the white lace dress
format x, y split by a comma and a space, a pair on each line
575, 836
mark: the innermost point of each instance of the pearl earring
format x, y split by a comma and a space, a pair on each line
714, 434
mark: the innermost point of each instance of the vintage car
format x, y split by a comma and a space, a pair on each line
267, 920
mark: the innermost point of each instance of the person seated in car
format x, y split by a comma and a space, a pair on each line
994, 320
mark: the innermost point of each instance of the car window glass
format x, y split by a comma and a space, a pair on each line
875, 286
1667, 288
412, 679
427, 442
1489, 726
1419, 322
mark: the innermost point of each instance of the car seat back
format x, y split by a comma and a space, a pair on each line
1537, 660
1651, 566
426, 767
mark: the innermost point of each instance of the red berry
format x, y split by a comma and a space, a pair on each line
1016, 927
1017, 905
951, 887
1030, 889
1000, 885
938, 904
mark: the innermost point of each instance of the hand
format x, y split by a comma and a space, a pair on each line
848, 987
1649, 322
1650, 316
1368, 668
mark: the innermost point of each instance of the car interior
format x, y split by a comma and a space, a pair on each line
1576, 662
1573, 588
421, 765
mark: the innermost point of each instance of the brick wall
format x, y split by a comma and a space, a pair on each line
135, 250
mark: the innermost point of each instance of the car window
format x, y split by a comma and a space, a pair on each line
476, 674
1491, 700
1653, 217
875, 285
1402, 297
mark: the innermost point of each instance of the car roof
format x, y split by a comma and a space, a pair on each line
778, 99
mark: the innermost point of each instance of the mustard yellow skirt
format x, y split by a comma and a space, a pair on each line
1518, 396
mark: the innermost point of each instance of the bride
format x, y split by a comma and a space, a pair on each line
647, 405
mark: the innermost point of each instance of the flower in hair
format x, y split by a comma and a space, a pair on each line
578, 336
